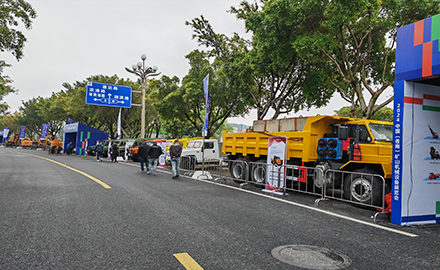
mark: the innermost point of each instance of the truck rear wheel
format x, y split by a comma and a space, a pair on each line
259, 172
237, 169
363, 188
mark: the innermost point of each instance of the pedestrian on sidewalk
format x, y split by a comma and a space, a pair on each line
143, 154
154, 153
175, 152
99, 149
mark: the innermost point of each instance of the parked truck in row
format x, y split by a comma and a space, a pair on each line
324, 142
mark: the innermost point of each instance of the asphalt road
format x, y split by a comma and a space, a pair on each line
71, 212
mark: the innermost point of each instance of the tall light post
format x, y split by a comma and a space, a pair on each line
143, 72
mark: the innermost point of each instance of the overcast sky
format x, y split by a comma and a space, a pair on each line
71, 40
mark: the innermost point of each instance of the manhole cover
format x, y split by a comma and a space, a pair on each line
311, 257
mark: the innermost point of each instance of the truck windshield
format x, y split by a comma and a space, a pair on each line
382, 133
194, 144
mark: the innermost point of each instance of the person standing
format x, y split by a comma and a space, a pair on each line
69, 148
175, 152
115, 151
154, 153
143, 154
99, 149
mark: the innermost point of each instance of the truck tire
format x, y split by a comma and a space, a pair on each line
365, 189
259, 172
237, 170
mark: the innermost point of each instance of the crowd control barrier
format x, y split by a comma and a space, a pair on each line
304, 179
187, 165
359, 188
236, 170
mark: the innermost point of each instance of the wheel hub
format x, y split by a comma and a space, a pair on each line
361, 190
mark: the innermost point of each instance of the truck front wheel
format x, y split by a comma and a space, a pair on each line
364, 188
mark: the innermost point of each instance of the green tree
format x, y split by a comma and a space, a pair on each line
30, 117
285, 82
353, 43
52, 113
266, 69
5, 88
11, 11
187, 102
160, 112
383, 114
12, 39
11, 121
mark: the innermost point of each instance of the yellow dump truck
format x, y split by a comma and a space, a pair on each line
13, 140
326, 142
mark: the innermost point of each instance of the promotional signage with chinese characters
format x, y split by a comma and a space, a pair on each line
415, 189
108, 95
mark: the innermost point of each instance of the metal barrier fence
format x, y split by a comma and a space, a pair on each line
213, 166
304, 179
188, 165
359, 188
235, 170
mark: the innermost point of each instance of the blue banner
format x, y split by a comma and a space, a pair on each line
22, 132
44, 131
205, 89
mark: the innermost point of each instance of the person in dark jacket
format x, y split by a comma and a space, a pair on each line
143, 154
154, 153
99, 149
115, 151
175, 152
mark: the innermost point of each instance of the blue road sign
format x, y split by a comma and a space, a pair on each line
108, 95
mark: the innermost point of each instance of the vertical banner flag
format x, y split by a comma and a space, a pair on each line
119, 124
126, 151
5, 134
162, 160
276, 160
22, 132
44, 130
109, 149
205, 89
85, 146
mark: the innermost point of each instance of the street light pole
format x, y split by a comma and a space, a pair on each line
143, 72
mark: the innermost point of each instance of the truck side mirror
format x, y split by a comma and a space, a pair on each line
342, 133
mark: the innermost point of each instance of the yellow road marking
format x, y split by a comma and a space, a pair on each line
75, 170
187, 261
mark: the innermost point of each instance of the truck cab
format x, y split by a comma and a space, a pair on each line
196, 150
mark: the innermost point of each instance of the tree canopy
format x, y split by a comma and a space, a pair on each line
11, 39
186, 104
353, 43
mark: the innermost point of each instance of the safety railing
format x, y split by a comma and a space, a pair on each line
358, 188
304, 179
236, 170
366, 189
188, 165
214, 166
